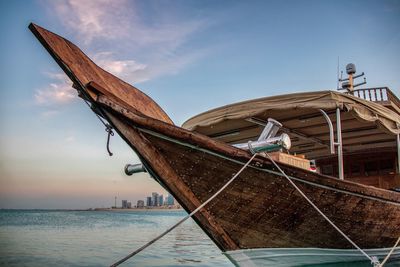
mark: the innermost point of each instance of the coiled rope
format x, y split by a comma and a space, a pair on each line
185, 218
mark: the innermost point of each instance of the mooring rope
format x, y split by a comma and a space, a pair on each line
390, 253
186, 217
374, 260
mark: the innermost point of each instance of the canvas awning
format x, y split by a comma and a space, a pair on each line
365, 124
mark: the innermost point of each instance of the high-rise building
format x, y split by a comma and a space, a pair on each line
170, 200
124, 204
140, 204
148, 202
160, 200
129, 205
154, 199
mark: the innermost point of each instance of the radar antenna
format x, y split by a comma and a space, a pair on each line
348, 83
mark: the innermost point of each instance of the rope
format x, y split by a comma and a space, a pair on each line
373, 260
390, 253
185, 218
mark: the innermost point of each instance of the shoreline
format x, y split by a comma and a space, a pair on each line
99, 209
136, 209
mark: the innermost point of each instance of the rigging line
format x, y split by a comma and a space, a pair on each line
186, 217
373, 260
100, 119
390, 253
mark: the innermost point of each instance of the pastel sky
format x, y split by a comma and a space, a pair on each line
189, 56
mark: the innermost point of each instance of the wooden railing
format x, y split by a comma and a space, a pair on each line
382, 95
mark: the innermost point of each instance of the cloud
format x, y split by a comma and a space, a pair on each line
91, 18
135, 72
128, 70
123, 19
58, 92
153, 34
69, 139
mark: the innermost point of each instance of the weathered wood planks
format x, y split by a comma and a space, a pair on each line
82, 70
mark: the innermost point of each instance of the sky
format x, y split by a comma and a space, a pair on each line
189, 56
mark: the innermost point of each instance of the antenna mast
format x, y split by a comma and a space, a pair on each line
348, 83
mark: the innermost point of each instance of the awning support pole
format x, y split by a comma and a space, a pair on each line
331, 135
398, 153
339, 144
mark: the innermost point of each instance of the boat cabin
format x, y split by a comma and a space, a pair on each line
351, 135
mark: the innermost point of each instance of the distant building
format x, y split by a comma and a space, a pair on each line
170, 200
140, 204
154, 199
148, 202
124, 204
129, 205
160, 200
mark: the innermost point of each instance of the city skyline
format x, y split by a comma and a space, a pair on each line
189, 56
155, 200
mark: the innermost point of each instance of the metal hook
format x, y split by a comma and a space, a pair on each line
110, 133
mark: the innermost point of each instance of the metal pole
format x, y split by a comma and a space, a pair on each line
398, 153
331, 137
340, 145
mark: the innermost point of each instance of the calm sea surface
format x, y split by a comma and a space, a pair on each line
98, 238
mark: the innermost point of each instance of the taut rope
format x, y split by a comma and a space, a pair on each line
185, 218
374, 260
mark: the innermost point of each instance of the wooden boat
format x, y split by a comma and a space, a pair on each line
260, 219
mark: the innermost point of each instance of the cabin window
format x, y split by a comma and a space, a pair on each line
387, 166
327, 169
371, 168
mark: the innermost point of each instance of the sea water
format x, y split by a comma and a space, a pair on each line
99, 238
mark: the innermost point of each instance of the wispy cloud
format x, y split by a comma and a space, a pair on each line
134, 72
128, 70
146, 44
69, 139
93, 19
145, 38
60, 91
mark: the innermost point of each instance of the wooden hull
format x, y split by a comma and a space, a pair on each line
260, 209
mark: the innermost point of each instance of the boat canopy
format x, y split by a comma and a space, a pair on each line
365, 124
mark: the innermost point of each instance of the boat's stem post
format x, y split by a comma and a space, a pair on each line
340, 145
398, 153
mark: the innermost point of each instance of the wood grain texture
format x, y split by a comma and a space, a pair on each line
172, 181
82, 70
